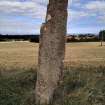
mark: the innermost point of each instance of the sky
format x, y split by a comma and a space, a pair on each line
26, 16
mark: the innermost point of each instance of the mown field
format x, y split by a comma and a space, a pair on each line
84, 76
25, 54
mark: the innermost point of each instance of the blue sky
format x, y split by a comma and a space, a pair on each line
26, 16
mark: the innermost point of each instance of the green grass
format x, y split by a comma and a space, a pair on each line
15, 89
85, 86
80, 86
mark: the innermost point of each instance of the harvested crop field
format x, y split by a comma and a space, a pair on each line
25, 54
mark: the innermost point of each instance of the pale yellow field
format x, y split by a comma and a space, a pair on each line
18, 55
15, 55
85, 54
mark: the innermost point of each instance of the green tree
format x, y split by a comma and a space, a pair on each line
102, 35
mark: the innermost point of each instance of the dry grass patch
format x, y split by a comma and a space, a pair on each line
15, 55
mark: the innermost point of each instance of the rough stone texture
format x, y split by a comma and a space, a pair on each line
51, 51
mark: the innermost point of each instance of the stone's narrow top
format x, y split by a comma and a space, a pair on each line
59, 3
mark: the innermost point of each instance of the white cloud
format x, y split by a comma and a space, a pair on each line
94, 9
77, 14
33, 10
36, 9
97, 7
18, 26
28, 8
101, 19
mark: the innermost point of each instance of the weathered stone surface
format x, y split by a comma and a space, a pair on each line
51, 51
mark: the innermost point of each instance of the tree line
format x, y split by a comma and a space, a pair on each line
31, 38
69, 38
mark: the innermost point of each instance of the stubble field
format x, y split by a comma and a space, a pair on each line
15, 55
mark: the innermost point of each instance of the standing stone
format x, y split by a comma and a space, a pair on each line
51, 51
